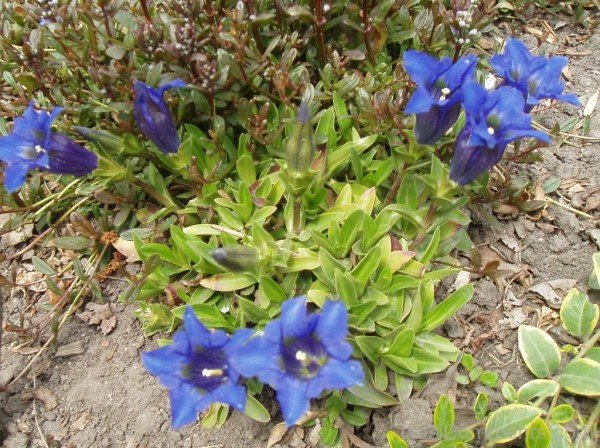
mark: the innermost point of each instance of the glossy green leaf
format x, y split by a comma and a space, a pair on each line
443, 416
509, 422
539, 351
402, 344
578, 315
538, 435
480, 407
255, 410
447, 308
537, 389
562, 413
581, 377
395, 440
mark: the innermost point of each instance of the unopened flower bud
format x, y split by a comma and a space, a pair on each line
105, 139
300, 148
236, 258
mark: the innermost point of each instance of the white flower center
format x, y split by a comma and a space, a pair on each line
491, 130
39, 149
212, 372
301, 356
445, 92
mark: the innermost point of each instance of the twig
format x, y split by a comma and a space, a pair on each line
366, 25
567, 207
319, 33
37, 424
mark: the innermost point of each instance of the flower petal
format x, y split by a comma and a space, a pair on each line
294, 317
14, 175
332, 325
421, 67
420, 101
176, 83
68, 157
185, 401
292, 399
335, 375
231, 394
199, 334
256, 358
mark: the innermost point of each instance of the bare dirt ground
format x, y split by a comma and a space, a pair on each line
90, 390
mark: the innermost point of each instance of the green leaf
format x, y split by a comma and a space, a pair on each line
509, 422
252, 312
246, 170
467, 361
368, 394
443, 417
371, 346
42, 266
480, 407
365, 269
593, 354
72, 242
489, 379
562, 413
539, 351
395, 440
402, 344
255, 410
537, 389
560, 436
581, 377
447, 308
578, 315
509, 392
538, 435
594, 281
434, 242
228, 282
269, 291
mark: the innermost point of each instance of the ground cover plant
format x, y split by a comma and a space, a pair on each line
291, 179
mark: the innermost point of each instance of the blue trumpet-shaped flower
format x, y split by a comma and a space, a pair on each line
197, 370
300, 355
436, 101
153, 116
493, 120
32, 145
536, 77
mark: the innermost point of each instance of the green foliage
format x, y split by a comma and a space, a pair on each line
538, 412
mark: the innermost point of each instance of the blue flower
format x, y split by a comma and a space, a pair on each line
153, 116
32, 145
536, 77
197, 370
436, 101
493, 120
300, 355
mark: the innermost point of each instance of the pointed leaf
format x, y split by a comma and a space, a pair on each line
509, 422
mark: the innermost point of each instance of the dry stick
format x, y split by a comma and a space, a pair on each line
37, 424
319, 22
48, 230
60, 324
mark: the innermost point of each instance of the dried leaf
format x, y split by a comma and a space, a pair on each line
126, 248
72, 349
101, 315
554, 290
591, 104
42, 394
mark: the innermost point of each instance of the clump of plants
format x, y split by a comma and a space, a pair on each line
300, 218
542, 412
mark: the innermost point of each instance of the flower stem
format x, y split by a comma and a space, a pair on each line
144, 6
574, 210
319, 22
588, 345
366, 22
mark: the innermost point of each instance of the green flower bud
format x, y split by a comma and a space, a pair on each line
300, 148
236, 258
106, 139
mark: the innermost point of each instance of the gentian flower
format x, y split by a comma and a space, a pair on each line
153, 116
32, 145
536, 77
493, 120
197, 371
436, 101
300, 355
